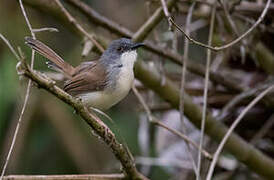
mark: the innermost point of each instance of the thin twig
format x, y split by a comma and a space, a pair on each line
45, 29
18, 125
208, 62
234, 28
167, 14
78, 26
143, 103
237, 99
67, 177
149, 25
182, 88
219, 48
155, 121
229, 19
6, 41
232, 127
183, 136
21, 114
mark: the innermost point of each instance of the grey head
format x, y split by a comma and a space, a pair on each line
116, 48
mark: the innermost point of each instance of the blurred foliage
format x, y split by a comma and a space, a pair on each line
54, 140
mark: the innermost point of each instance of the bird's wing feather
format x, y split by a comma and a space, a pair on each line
89, 77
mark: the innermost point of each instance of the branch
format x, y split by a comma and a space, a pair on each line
66, 177
163, 2
93, 121
152, 119
150, 24
244, 152
208, 62
78, 26
182, 87
232, 127
219, 48
45, 29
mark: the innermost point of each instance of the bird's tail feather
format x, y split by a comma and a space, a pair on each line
55, 61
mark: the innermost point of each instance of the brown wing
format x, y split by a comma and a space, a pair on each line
88, 77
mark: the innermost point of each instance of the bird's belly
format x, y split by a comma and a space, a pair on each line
105, 99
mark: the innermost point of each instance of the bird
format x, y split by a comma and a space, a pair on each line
99, 84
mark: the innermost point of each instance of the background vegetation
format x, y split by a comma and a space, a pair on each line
54, 140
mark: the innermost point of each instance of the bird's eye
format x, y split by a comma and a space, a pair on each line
120, 49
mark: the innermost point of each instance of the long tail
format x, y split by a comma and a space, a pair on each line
45, 51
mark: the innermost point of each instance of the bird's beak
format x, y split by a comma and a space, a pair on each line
137, 45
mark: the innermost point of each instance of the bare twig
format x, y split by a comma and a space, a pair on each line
21, 114
50, 29
232, 127
155, 121
78, 26
219, 48
234, 28
208, 62
185, 60
182, 88
26, 96
6, 41
229, 19
155, 18
18, 125
143, 103
183, 136
163, 2
66, 177
240, 97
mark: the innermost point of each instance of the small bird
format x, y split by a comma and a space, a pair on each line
99, 84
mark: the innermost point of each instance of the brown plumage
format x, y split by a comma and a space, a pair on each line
87, 77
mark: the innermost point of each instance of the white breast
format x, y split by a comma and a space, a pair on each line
105, 99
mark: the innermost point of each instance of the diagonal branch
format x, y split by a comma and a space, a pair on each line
66, 177
232, 127
93, 121
154, 120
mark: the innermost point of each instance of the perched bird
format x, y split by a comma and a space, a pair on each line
99, 84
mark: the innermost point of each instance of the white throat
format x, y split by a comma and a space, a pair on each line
128, 58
